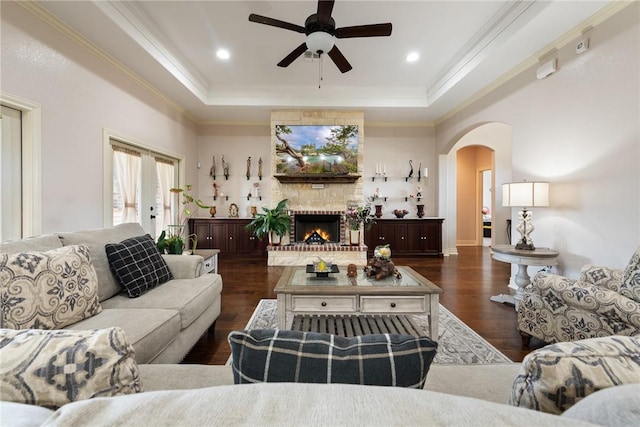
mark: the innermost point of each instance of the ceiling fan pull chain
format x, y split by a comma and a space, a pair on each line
319, 71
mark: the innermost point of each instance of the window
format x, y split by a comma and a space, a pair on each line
140, 183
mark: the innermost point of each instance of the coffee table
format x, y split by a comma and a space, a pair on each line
302, 293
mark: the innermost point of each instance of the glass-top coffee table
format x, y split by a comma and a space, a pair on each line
304, 293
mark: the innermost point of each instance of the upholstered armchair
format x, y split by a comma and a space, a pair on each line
602, 302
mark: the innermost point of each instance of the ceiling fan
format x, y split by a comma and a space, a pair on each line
321, 32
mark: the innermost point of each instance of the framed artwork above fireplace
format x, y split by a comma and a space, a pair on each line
316, 150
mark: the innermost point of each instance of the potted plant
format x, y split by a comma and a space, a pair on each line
172, 241
273, 223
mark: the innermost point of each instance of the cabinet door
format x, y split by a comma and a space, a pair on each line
432, 231
416, 237
203, 232
220, 237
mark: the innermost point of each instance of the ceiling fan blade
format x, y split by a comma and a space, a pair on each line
295, 53
373, 30
325, 7
339, 59
276, 23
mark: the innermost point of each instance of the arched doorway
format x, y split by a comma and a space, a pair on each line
496, 137
474, 165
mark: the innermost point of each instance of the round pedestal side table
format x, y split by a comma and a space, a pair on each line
523, 258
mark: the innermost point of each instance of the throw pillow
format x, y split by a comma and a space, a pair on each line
51, 368
630, 287
272, 355
615, 406
48, 290
555, 377
137, 265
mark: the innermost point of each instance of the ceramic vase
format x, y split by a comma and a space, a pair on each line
354, 237
212, 211
420, 212
378, 213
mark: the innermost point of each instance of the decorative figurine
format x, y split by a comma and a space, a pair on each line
212, 171
225, 168
233, 211
352, 270
410, 171
260, 168
248, 168
216, 190
254, 211
419, 190
419, 173
256, 190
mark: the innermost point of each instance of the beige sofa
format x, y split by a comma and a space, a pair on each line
199, 395
162, 324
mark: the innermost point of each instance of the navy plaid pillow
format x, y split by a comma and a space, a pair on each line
137, 264
272, 355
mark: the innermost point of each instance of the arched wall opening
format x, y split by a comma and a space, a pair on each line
496, 137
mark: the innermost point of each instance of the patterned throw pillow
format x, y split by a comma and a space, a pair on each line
630, 287
48, 290
555, 377
52, 368
137, 265
271, 355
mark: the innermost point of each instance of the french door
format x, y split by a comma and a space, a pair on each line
139, 186
10, 174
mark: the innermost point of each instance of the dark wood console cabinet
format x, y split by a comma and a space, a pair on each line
406, 237
228, 235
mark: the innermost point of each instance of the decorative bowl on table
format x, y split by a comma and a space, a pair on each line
400, 213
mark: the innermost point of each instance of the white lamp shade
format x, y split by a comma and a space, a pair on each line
320, 42
525, 194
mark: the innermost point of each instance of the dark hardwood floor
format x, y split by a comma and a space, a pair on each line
467, 281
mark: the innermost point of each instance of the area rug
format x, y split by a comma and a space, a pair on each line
457, 344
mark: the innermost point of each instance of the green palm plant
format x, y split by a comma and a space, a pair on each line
272, 222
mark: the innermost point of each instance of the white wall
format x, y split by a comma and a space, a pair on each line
236, 143
394, 147
80, 95
579, 129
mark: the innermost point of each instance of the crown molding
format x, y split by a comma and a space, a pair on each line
594, 20
45, 16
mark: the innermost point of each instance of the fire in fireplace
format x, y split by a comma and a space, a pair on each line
316, 228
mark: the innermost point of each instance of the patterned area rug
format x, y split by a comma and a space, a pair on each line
457, 345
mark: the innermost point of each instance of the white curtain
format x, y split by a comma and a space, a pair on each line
126, 166
165, 171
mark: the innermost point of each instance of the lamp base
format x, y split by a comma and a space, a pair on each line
524, 246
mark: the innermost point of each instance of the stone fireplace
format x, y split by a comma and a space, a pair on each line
320, 204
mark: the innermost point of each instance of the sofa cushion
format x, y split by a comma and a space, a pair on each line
289, 404
23, 415
48, 290
272, 355
190, 297
52, 368
630, 287
137, 264
555, 377
613, 407
149, 331
42, 243
96, 240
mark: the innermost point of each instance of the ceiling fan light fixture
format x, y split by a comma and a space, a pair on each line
320, 42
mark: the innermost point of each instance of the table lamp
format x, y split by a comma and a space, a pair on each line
525, 195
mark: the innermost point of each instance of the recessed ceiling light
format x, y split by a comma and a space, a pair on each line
223, 54
413, 57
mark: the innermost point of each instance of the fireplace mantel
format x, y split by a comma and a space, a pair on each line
317, 179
